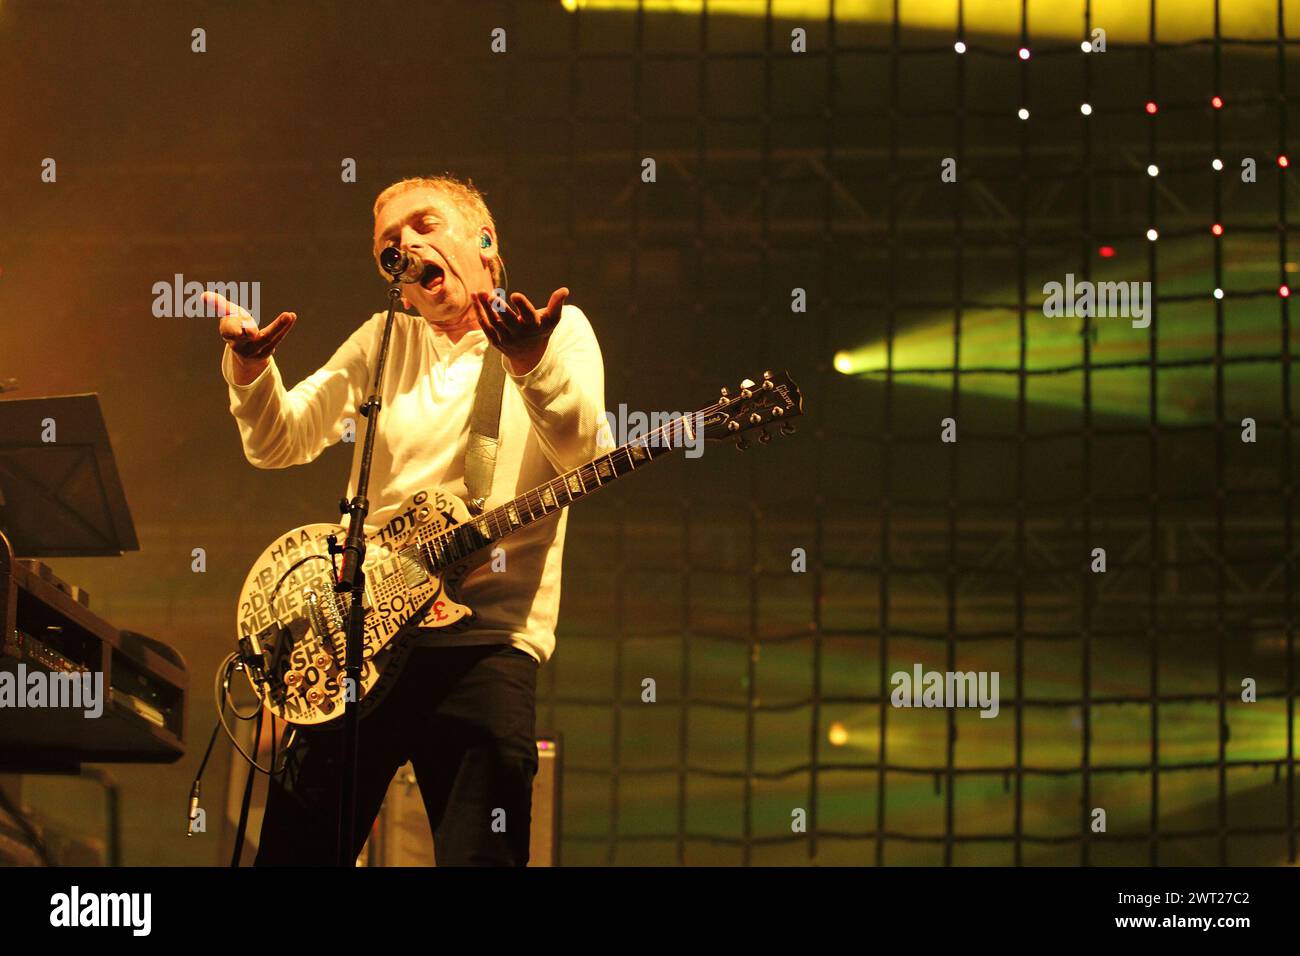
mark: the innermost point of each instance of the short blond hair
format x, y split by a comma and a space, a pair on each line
465, 195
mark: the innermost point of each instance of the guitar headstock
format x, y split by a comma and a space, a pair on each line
774, 400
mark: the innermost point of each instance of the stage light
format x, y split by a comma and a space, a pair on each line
837, 734
920, 355
1152, 235
1085, 109
1024, 53
1217, 164
1126, 23
1106, 252
1023, 114
1151, 107
1216, 229
843, 362
959, 47
1153, 170
1217, 102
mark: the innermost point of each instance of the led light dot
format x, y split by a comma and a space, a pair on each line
1218, 293
1023, 114
1284, 291
1024, 53
1283, 162
1085, 46
1152, 235
959, 47
1153, 170
1085, 109
1217, 102
1216, 229
1106, 252
1217, 164
1151, 107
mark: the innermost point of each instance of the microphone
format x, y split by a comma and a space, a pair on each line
401, 266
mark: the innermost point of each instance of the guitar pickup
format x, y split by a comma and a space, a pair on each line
413, 573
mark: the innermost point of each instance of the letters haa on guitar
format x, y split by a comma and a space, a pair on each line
290, 622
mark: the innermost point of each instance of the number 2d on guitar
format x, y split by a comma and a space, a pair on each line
291, 624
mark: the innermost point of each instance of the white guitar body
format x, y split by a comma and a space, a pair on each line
291, 623
289, 608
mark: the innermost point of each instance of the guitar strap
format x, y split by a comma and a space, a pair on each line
484, 430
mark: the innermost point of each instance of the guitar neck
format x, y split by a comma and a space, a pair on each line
459, 542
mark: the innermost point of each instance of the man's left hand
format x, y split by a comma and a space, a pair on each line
521, 332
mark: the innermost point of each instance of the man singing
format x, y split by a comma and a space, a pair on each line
462, 710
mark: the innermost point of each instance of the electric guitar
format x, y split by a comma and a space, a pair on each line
291, 622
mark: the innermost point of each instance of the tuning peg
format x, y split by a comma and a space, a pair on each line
725, 393
777, 411
768, 384
787, 428
733, 426
755, 418
742, 445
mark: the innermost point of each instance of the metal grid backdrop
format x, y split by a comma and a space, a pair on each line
1120, 690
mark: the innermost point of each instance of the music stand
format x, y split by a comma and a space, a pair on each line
61, 498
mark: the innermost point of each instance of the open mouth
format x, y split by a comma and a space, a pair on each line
431, 279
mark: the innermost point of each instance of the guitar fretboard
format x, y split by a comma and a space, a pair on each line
458, 543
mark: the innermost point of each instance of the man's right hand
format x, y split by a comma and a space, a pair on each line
252, 347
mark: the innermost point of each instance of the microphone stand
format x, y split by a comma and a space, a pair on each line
352, 580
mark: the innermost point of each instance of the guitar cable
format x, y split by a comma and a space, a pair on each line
221, 693
221, 698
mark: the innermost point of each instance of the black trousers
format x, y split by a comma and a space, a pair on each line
464, 717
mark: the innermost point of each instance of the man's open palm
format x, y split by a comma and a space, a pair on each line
239, 328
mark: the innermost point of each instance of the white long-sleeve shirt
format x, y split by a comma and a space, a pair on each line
552, 419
